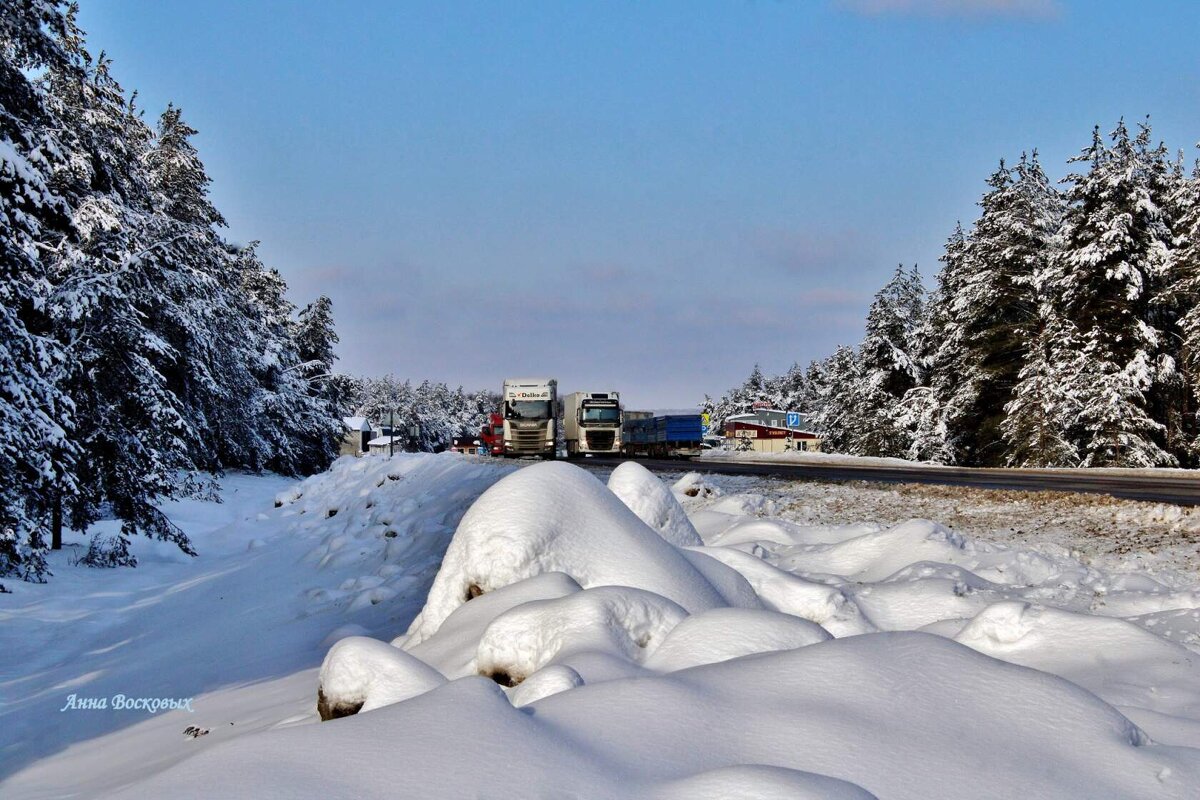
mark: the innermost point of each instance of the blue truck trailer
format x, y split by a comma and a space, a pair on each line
667, 436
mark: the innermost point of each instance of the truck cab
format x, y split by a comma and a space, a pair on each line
592, 423
492, 435
530, 414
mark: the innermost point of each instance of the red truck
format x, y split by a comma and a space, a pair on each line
492, 435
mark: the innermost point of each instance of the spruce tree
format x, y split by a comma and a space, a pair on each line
932, 411
995, 303
36, 455
840, 415
111, 286
1038, 418
1115, 247
1185, 295
889, 368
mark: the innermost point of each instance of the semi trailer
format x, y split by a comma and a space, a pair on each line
530, 412
592, 423
666, 436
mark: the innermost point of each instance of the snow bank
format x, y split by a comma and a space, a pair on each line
545, 682
815, 458
453, 649
379, 523
902, 715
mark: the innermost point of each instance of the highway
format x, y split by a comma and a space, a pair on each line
1181, 490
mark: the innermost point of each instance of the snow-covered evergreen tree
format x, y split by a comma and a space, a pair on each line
1115, 250
1039, 417
1117, 430
840, 415
889, 366
111, 287
930, 411
138, 348
994, 307
436, 411
178, 175
314, 338
1185, 295
35, 454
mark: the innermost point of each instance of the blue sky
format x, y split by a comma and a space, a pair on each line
649, 197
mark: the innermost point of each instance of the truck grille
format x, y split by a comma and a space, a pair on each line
600, 440
529, 439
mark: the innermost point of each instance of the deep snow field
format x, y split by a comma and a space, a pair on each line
533, 632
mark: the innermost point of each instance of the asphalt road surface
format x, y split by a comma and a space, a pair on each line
1179, 490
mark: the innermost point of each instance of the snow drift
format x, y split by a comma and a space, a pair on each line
635, 640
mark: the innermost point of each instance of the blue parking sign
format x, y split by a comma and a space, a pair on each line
793, 419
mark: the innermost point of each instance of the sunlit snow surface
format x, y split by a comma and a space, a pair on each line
794, 653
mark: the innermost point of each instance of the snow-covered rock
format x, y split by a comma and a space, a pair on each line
361, 674
618, 621
545, 682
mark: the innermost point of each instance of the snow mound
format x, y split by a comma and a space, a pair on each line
653, 502
759, 782
556, 517
782, 591
729, 583
545, 682
453, 649
618, 621
362, 674
1118, 660
693, 484
875, 556
725, 633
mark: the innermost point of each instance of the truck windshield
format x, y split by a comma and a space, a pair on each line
600, 414
527, 409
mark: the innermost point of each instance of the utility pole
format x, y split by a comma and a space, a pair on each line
392, 433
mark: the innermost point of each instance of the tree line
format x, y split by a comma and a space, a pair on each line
1063, 329
139, 350
437, 412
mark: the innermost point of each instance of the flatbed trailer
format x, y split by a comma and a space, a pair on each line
666, 436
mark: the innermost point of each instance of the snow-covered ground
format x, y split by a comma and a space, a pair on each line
556, 636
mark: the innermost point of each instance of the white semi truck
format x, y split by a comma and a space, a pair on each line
530, 417
592, 423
